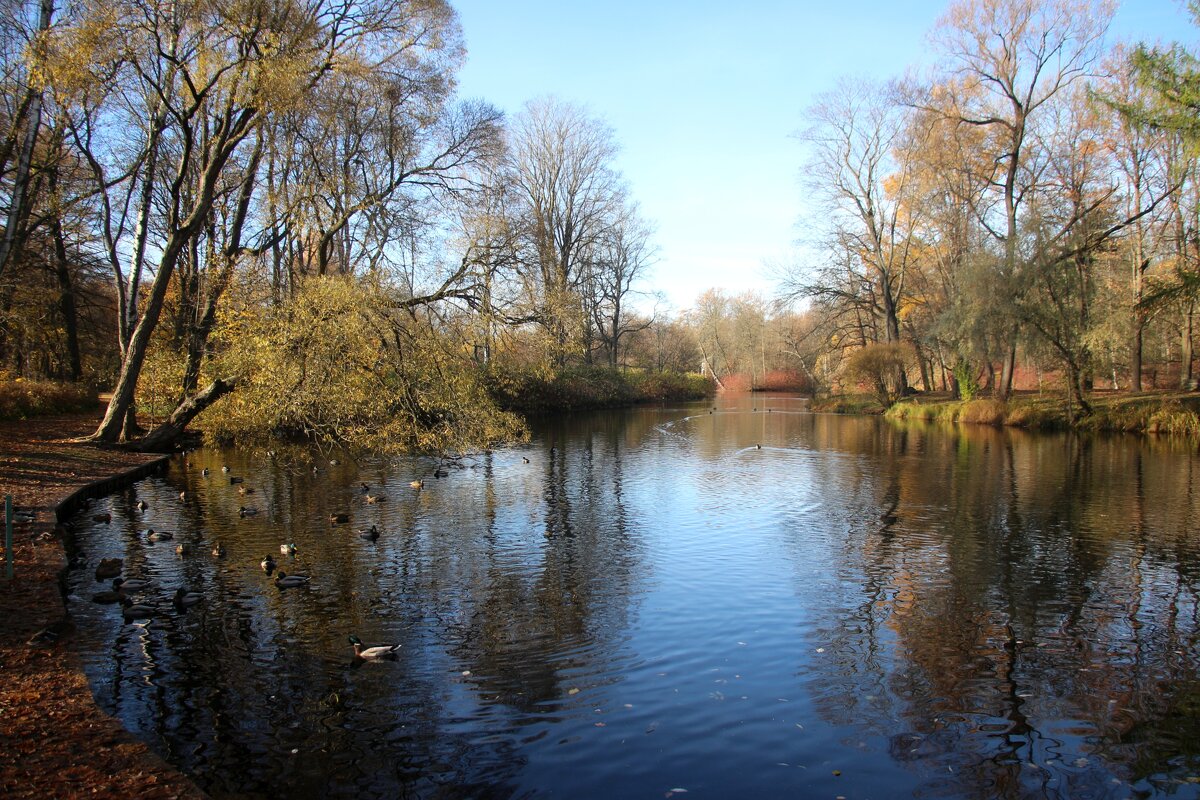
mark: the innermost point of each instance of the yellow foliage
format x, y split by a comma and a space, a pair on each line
338, 363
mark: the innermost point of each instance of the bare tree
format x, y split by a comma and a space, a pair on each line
624, 255
569, 192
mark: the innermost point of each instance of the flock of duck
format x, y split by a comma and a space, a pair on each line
130, 592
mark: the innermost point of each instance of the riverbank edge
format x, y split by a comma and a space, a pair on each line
1171, 413
58, 741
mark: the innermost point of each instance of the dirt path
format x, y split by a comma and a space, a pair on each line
54, 740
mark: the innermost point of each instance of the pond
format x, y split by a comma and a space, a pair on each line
747, 599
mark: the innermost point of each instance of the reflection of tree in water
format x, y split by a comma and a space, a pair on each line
1018, 615
571, 596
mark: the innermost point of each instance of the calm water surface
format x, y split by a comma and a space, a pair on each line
765, 603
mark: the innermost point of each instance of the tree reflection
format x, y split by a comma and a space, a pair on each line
1036, 611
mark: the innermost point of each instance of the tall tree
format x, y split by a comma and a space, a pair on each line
569, 192
1005, 62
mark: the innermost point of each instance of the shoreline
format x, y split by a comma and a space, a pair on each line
58, 741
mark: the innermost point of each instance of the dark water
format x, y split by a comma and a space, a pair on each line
654, 603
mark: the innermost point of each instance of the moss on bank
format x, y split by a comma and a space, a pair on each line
1173, 413
579, 388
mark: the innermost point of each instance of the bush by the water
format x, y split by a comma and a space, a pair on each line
21, 398
589, 387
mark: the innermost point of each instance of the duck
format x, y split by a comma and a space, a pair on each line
182, 549
142, 505
417, 484
183, 495
339, 517
370, 534
246, 512
108, 568
376, 498
288, 549
285, 581
132, 585
267, 564
185, 599
245, 490
235, 479
131, 610
108, 597
365, 488
333, 462
440, 473
105, 518
525, 459
387, 651
158, 536
218, 550
225, 468
205, 472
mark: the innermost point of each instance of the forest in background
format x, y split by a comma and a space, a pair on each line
280, 215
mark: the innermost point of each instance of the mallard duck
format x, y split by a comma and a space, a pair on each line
417, 484
132, 585
182, 549
288, 549
246, 512
285, 581
185, 599
225, 468
245, 490
131, 610
235, 479
376, 498
268, 565
108, 568
108, 597
525, 459
333, 462
159, 536
105, 518
365, 488
205, 472
440, 473
218, 550
142, 505
373, 653
338, 517
370, 534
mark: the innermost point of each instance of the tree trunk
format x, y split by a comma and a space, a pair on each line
164, 436
1186, 382
1008, 368
66, 301
19, 200
113, 426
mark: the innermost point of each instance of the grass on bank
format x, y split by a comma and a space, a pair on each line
1174, 413
21, 398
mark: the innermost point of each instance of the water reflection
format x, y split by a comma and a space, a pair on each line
746, 598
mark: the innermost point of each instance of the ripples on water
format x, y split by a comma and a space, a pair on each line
730, 600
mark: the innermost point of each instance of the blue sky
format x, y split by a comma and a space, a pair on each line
704, 98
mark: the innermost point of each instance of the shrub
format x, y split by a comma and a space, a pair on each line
21, 399
879, 366
983, 412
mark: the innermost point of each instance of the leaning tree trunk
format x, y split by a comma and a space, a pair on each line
164, 436
116, 417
